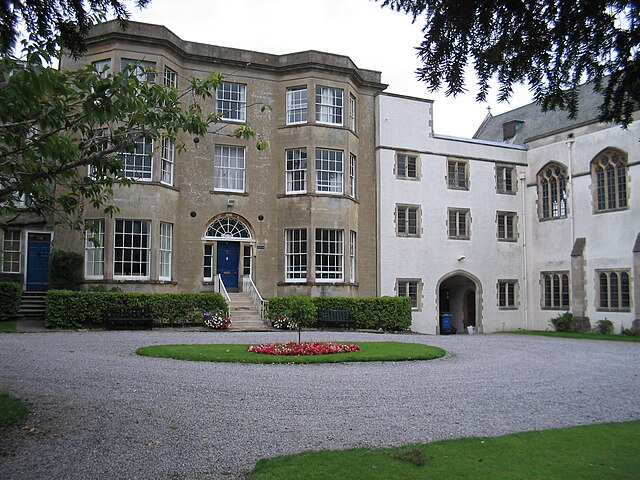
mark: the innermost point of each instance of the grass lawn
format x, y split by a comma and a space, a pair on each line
592, 452
11, 410
10, 326
590, 336
369, 352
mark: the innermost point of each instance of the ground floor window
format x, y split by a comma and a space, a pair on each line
410, 288
507, 294
94, 249
207, 274
352, 256
614, 287
329, 253
165, 251
555, 290
247, 257
11, 251
132, 246
295, 254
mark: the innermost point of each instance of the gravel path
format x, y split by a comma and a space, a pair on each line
98, 411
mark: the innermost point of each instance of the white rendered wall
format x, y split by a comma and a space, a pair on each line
432, 256
610, 236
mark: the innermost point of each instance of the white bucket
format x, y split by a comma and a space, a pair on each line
471, 330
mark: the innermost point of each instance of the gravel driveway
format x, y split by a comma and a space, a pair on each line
99, 411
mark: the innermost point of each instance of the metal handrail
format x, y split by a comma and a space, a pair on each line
219, 284
250, 287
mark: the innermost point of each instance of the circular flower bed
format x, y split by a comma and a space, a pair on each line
302, 348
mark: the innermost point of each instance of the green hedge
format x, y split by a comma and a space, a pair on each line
9, 300
386, 313
70, 309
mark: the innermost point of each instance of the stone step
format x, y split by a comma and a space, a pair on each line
32, 305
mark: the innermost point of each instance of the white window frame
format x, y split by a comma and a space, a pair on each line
208, 254
143, 70
167, 161
329, 171
247, 260
297, 105
352, 113
165, 251
352, 175
142, 238
507, 223
170, 77
231, 102
138, 165
94, 249
352, 256
100, 67
9, 242
329, 105
454, 230
412, 288
329, 255
229, 168
408, 220
507, 294
296, 164
295, 255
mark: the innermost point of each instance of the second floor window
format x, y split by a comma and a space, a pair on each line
296, 170
507, 223
228, 168
137, 163
610, 176
168, 154
457, 174
170, 78
407, 219
231, 101
459, 222
329, 170
505, 179
406, 166
296, 105
145, 71
329, 105
552, 191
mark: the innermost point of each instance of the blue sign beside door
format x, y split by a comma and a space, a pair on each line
38, 248
228, 260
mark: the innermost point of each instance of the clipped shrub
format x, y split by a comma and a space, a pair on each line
65, 270
71, 309
604, 326
9, 300
386, 313
562, 323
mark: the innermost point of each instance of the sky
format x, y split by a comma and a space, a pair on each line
374, 39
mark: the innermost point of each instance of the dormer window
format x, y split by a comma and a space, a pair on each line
511, 129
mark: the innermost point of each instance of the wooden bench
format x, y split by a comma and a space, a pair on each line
335, 318
128, 317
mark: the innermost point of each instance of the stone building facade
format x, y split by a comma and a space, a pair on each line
298, 217
356, 196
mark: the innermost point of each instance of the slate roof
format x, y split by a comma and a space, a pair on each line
538, 123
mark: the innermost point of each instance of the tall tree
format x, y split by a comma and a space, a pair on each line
552, 45
54, 124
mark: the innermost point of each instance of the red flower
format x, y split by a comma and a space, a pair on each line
303, 348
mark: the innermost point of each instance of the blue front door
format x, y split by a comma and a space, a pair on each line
228, 260
38, 248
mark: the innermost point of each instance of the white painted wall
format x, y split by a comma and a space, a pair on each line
432, 256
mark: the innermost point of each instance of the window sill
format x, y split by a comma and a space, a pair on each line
613, 310
505, 192
229, 192
610, 210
